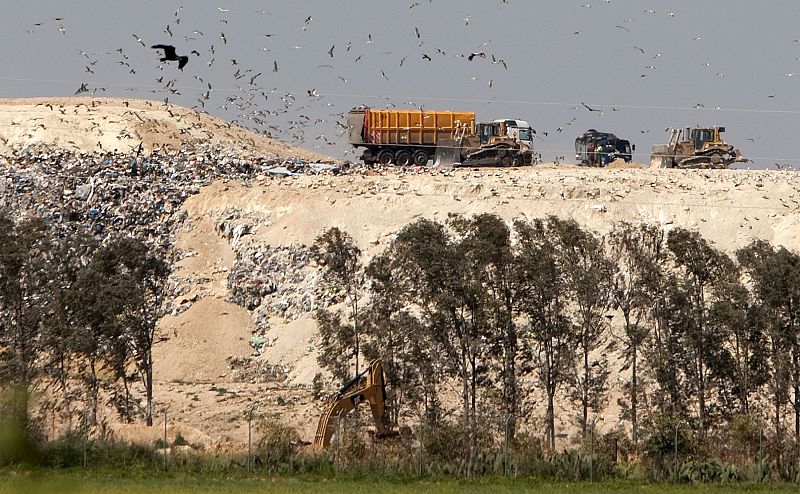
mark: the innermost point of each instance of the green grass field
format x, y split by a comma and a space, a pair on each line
102, 483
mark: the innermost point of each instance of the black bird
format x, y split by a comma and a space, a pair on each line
171, 56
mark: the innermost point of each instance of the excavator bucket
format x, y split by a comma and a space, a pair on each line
448, 152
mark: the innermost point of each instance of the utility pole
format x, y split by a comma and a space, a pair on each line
165, 438
249, 438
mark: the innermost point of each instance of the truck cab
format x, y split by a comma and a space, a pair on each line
518, 131
611, 148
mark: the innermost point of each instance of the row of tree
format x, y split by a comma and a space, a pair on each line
701, 335
76, 310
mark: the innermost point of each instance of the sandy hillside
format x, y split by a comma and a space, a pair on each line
105, 124
729, 207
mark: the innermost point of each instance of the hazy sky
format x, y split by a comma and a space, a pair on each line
646, 64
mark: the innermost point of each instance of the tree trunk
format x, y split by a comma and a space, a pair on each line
148, 385
796, 386
634, 418
127, 398
551, 423
355, 328
94, 390
702, 399
511, 381
585, 386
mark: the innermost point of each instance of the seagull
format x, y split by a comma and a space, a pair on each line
476, 54
330, 52
500, 61
138, 39
589, 107
275, 66
171, 56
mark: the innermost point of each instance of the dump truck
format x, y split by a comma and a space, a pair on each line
367, 387
406, 137
595, 148
699, 147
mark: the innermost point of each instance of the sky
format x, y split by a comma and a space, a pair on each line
645, 64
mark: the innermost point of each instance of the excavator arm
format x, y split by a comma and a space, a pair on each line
368, 386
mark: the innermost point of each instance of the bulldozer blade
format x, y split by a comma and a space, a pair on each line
448, 152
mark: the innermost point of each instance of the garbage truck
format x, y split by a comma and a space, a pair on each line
406, 137
595, 148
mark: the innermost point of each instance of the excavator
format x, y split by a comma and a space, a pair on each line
368, 386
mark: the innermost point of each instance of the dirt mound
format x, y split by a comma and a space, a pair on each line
107, 124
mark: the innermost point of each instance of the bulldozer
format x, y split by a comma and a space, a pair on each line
497, 143
695, 148
368, 386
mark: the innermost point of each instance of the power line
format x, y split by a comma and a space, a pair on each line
575, 105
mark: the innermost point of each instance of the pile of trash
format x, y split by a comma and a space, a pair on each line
126, 192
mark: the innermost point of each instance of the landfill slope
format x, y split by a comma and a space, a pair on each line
92, 124
243, 236
238, 223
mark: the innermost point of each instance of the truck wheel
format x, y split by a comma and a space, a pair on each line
402, 158
385, 157
420, 157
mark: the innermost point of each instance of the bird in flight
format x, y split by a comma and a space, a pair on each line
171, 56
588, 107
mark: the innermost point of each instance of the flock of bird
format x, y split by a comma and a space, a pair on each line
279, 111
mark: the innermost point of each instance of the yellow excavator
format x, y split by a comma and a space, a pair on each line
368, 386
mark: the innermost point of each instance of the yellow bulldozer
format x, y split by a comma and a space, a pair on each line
505, 142
695, 148
368, 386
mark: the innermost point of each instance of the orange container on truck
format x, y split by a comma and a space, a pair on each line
405, 137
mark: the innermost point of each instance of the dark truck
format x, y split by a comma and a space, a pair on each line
595, 148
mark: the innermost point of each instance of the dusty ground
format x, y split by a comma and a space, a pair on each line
729, 207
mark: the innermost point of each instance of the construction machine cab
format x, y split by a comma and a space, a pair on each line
517, 131
707, 135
